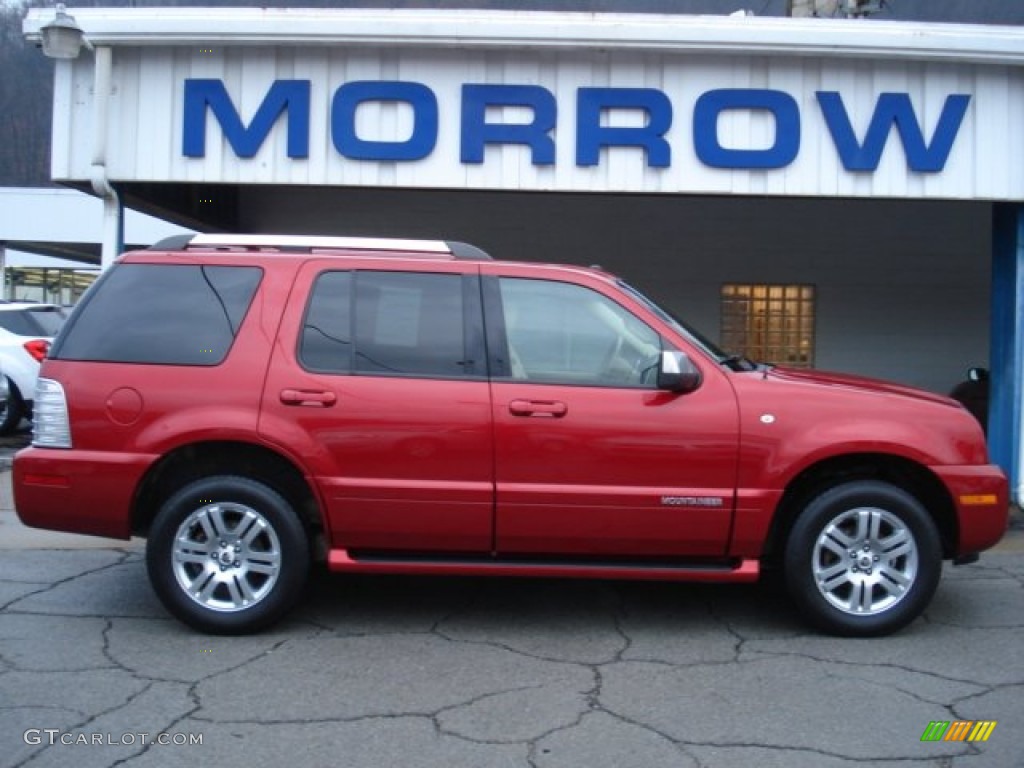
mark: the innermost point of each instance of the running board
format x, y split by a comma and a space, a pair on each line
342, 561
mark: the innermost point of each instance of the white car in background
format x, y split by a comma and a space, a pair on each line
4, 394
26, 331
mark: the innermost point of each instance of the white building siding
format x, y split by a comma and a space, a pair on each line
147, 104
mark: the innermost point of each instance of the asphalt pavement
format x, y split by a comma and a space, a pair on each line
382, 672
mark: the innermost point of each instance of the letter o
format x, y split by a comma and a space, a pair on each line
349, 96
784, 110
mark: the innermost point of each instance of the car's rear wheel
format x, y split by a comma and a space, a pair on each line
12, 410
863, 559
227, 555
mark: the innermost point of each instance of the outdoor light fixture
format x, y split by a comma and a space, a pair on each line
62, 38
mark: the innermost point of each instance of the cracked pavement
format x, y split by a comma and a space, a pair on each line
377, 672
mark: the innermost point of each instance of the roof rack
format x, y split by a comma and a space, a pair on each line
310, 243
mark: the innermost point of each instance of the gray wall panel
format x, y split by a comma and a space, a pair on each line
903, 287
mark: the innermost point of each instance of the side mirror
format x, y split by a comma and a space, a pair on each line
677, 373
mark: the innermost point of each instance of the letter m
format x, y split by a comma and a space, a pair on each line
935, 731
893, 108
291, 96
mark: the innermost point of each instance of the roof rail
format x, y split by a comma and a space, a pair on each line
303, 243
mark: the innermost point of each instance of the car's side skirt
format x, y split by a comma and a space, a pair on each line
731, 570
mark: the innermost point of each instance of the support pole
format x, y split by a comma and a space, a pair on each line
1006, 412
113, 212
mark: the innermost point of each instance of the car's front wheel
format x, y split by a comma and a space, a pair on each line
863, 559
227, 555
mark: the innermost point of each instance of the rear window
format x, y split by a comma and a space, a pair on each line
160, 314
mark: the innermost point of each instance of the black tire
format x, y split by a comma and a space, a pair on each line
11, 412
227, 555
863, 559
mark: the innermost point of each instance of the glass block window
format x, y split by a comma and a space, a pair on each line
769, 323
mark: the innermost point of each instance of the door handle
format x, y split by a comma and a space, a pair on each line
552, 408
319, 397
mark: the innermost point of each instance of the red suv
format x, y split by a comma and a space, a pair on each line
251, 404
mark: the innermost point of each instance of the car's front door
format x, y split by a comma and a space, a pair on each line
591, 459
379, 384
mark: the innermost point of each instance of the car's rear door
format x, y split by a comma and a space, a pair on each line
379, 384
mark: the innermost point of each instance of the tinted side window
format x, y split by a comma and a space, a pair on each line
400, 323
161, 314
326, 343
561, 333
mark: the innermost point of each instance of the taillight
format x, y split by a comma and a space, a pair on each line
38, 348
50, 425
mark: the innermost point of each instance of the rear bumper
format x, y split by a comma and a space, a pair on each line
87, 492
981, 498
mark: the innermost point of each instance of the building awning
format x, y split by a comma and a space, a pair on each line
487, 29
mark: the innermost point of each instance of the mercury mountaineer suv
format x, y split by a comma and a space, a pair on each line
254, 404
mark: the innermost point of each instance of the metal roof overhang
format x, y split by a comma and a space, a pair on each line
65, 224
543, 30
501, 30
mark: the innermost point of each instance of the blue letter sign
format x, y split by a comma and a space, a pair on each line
343, 120
591, 135
781, 105
538, 130
893, 108
476, 131
284, 95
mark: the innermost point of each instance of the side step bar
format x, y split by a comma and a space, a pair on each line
342, 561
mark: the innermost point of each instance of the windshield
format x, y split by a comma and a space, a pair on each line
692, 334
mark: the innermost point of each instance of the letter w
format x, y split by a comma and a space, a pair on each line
893, 108
284, 95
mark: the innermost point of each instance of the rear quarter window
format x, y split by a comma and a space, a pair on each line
33, 321
47, 320
16, 322
160, 314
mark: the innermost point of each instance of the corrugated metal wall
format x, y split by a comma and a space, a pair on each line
147, 116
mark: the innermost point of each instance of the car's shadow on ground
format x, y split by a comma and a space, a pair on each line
349, 603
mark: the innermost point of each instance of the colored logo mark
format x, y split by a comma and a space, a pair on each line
959, 730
